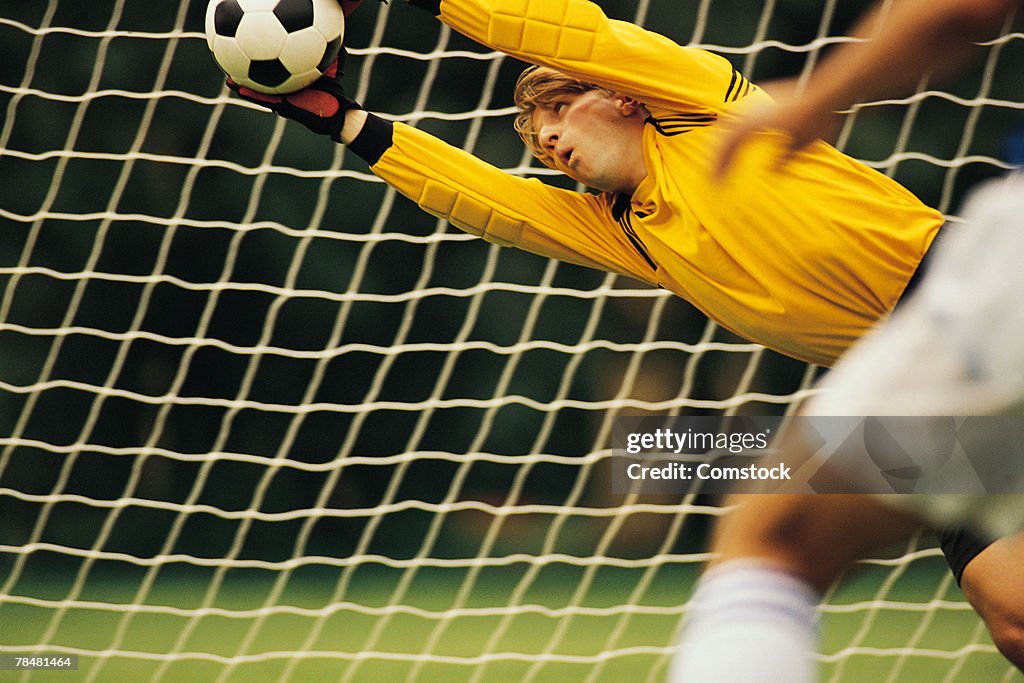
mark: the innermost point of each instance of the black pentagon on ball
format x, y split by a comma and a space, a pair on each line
333, 47
294, 15
268, 72
226, 18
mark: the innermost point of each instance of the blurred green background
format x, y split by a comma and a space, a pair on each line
199, 313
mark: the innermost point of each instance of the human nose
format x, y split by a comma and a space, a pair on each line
548, 136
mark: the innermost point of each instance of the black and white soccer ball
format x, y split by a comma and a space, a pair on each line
274, 46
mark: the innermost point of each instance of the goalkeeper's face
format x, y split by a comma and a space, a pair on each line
595, 138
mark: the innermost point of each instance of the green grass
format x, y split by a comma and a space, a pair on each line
212, 638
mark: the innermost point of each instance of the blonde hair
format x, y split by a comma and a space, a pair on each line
539, 87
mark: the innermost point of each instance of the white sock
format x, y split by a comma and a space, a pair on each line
749, 622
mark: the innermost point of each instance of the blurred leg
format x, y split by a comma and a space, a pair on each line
753, 614
814, 537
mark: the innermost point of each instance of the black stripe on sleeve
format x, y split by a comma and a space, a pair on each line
374, 139
732, 84
621, 212
739, 87
681, 123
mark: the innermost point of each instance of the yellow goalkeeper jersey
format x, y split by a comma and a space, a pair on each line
803, 259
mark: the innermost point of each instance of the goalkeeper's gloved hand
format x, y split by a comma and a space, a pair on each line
320, 106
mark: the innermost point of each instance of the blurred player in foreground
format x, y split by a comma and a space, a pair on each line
954, 348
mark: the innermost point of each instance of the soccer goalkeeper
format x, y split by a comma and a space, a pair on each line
953, 349
804, 263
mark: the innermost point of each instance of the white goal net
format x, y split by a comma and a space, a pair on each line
263, 419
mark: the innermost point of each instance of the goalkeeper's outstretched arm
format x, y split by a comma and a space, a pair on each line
451, 183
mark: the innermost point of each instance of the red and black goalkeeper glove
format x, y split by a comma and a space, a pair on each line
320, 106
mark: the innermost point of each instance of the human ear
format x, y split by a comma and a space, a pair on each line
628, 105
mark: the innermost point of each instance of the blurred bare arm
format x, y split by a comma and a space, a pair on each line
902, 42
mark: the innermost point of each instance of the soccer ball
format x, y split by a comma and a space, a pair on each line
274, 46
